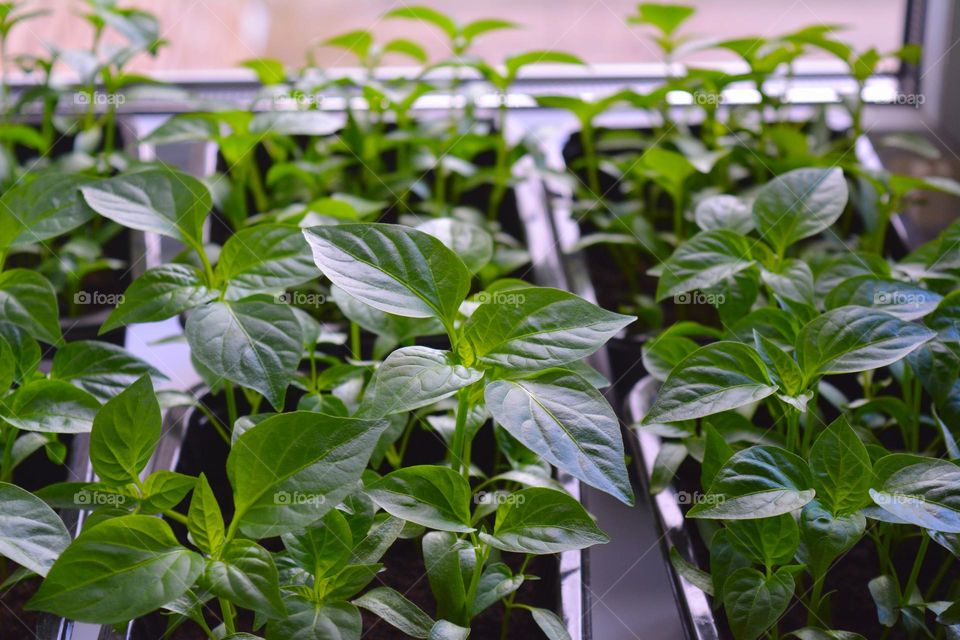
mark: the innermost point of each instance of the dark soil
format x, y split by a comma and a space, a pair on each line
15, 623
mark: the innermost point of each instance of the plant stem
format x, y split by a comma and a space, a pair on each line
508, 604
355, 349
460, 448
6, 464
915, 570
500, 172
590, 156
226, 609
813, 610
176, 516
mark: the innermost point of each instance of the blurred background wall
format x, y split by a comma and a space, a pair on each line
216, 34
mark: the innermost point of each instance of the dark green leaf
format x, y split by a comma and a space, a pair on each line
118, 570
432, 496
563, 419
31, 533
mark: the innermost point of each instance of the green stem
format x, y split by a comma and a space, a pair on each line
221, 429
915, 570
176, 516
226, 609
678, 217
590, 157
460, 448
501, 170
813, 610
508, 603
355, 348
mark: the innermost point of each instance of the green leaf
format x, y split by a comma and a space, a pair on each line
664, 352
472, 243
414, 377
669, 458
24, 351
294, 123
479, 27
537, 327
396, 610
550, 623
759, 482
724, 212
163, 490
724, 560
391, 268
900, 299
513, 64
99, 368
290, 469
496, 583
31, 533
706, 259
323, 549
204, 520
754, 602
442, 557
695, 576
767, 541
841, 469
811, 633
799, 204
853, 339
664, 16
27, 299
160, 293
886, 596
716, 452
263, 259
718, 377
541, 521
245, 574
432, 496
118, 570
560, 416
919, 490
44, 208
446, 630
50, 406
782, 367
254, 343
269, 71
425, 14
826, 537
125, 433
161, 201
308, 620
792, 281
386, 325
